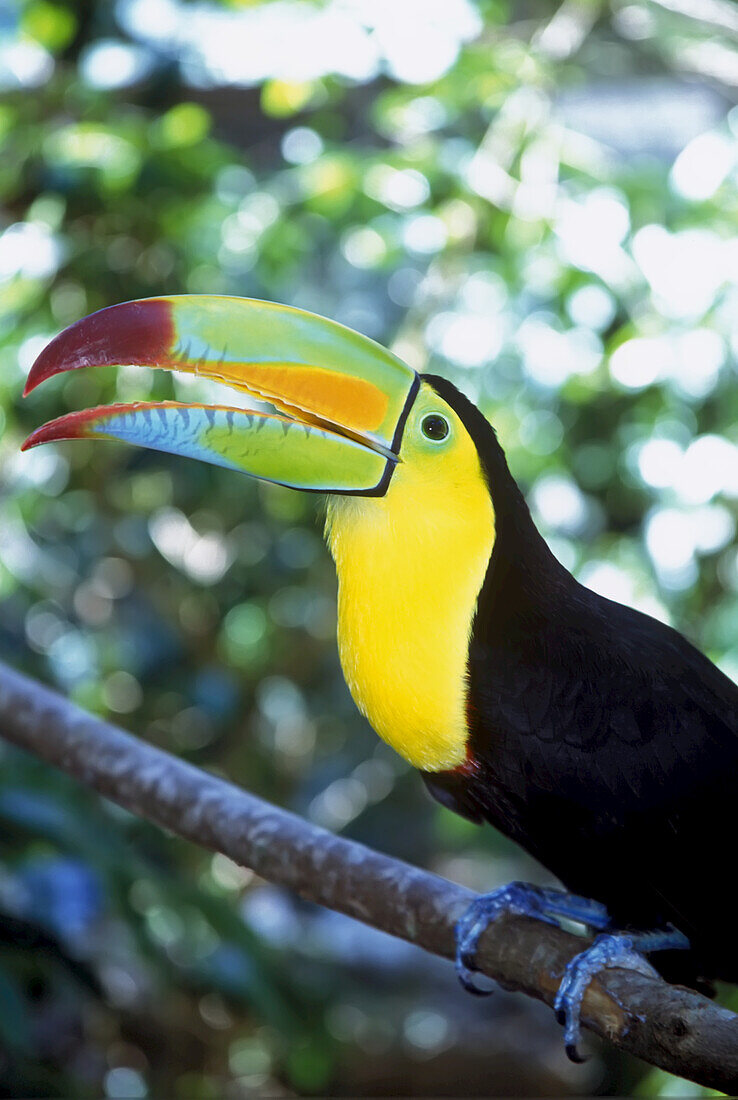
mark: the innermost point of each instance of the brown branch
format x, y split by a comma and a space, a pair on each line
674, 1028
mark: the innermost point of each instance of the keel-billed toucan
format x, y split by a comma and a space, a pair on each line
596, 737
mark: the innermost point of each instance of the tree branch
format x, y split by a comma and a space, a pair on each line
670, 1027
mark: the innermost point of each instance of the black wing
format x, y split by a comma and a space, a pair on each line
607, 745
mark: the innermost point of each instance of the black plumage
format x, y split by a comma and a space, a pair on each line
600, 740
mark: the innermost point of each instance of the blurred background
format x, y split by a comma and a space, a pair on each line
537, 200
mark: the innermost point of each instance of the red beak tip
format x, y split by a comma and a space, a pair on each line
48, 433
39, 372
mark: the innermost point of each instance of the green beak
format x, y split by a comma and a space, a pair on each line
341, 399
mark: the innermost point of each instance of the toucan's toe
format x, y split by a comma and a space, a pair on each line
617, 949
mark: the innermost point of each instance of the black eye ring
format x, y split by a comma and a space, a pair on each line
435, 427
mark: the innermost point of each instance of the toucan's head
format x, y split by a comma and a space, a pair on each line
348, 414
402, 458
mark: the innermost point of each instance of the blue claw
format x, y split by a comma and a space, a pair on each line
522, 899
610, 950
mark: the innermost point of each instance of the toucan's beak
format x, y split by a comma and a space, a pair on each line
341, 399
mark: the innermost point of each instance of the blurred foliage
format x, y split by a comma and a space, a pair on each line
538, 200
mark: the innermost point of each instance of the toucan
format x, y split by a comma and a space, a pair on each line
597, 738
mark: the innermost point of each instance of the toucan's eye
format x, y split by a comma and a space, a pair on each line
434, 427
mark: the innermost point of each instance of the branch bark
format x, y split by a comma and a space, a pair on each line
667, 1026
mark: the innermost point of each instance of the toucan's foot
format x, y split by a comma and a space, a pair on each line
619, 949
611, 949
521, 899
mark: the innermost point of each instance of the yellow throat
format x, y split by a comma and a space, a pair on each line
410, 568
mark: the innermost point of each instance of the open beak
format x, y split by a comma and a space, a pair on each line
341, 399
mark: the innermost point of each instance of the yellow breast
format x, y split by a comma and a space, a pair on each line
410, 568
